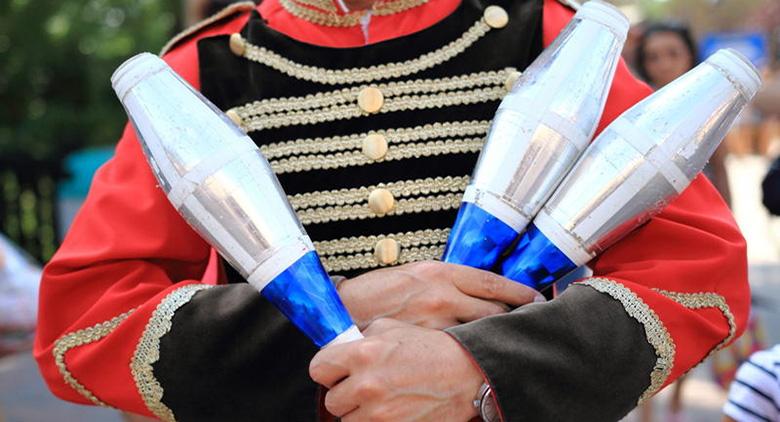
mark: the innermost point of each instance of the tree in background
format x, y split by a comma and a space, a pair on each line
57, 58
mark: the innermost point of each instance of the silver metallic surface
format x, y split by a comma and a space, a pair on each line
211, 171
548, 118
646, 157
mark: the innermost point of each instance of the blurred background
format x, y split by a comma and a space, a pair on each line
59, 120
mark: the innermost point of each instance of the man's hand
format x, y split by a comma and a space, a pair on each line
431, 294
399, 372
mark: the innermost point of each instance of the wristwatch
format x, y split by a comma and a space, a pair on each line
486, 405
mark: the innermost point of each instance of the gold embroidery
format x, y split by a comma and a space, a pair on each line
366, 243
657, 334
148, 350
80, 338
325, 18
362, 212
319, 4
339, 160
368, 260
227, 11
393, 136
400, 189
706, 300
399, 96
366, 74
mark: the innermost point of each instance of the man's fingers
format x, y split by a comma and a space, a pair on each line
471, 309
330, 365
382, 325
342, 398
490, 286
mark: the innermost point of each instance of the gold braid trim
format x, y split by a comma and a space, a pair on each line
227, 11
330, 17
398, 96
349, 159
354, 244
404, 188
148, 350
393, 136
657, 334
365, 74
367, 260
352, 204
706, 300
80, 338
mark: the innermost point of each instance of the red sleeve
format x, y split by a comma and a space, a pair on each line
116, 268
684, 274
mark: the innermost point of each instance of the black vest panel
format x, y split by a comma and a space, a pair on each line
440, 88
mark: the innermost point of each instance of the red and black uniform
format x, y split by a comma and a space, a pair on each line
139, 313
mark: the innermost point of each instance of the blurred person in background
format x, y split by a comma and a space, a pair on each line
665, 51
754, 395
19, 278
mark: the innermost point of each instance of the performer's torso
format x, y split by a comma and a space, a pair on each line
374, 145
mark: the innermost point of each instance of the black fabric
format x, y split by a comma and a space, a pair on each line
579, 358
771, 188
231, 81
231, 356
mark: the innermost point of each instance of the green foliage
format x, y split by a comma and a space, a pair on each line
56, 58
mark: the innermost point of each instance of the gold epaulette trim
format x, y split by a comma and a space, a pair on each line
656, 332
366, 74
222, 14
706, 300
354, 253
412, 196
398, 96
80, 338
571, 3
148, 350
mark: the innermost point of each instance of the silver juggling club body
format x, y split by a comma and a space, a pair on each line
540, 129
641, 161
217, 179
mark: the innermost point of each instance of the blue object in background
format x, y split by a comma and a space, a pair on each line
477, 238
306, 296
753, 45
536, 261
81, 167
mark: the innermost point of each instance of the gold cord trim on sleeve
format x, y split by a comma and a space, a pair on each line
148, 350
657, 334
329, 17
397, 96
440, 193
706, 300
365, 74
240, 7
80, 338
349, 159
393, 136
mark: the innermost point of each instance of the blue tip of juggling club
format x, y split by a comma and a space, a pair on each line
536, 261
477, 239
307, 297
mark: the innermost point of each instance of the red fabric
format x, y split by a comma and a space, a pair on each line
128, 248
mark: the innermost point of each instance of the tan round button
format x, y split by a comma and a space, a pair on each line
237, 44
375, 146
233, 115
511, 79
387, 251
496, 17
381, 201
370, 99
